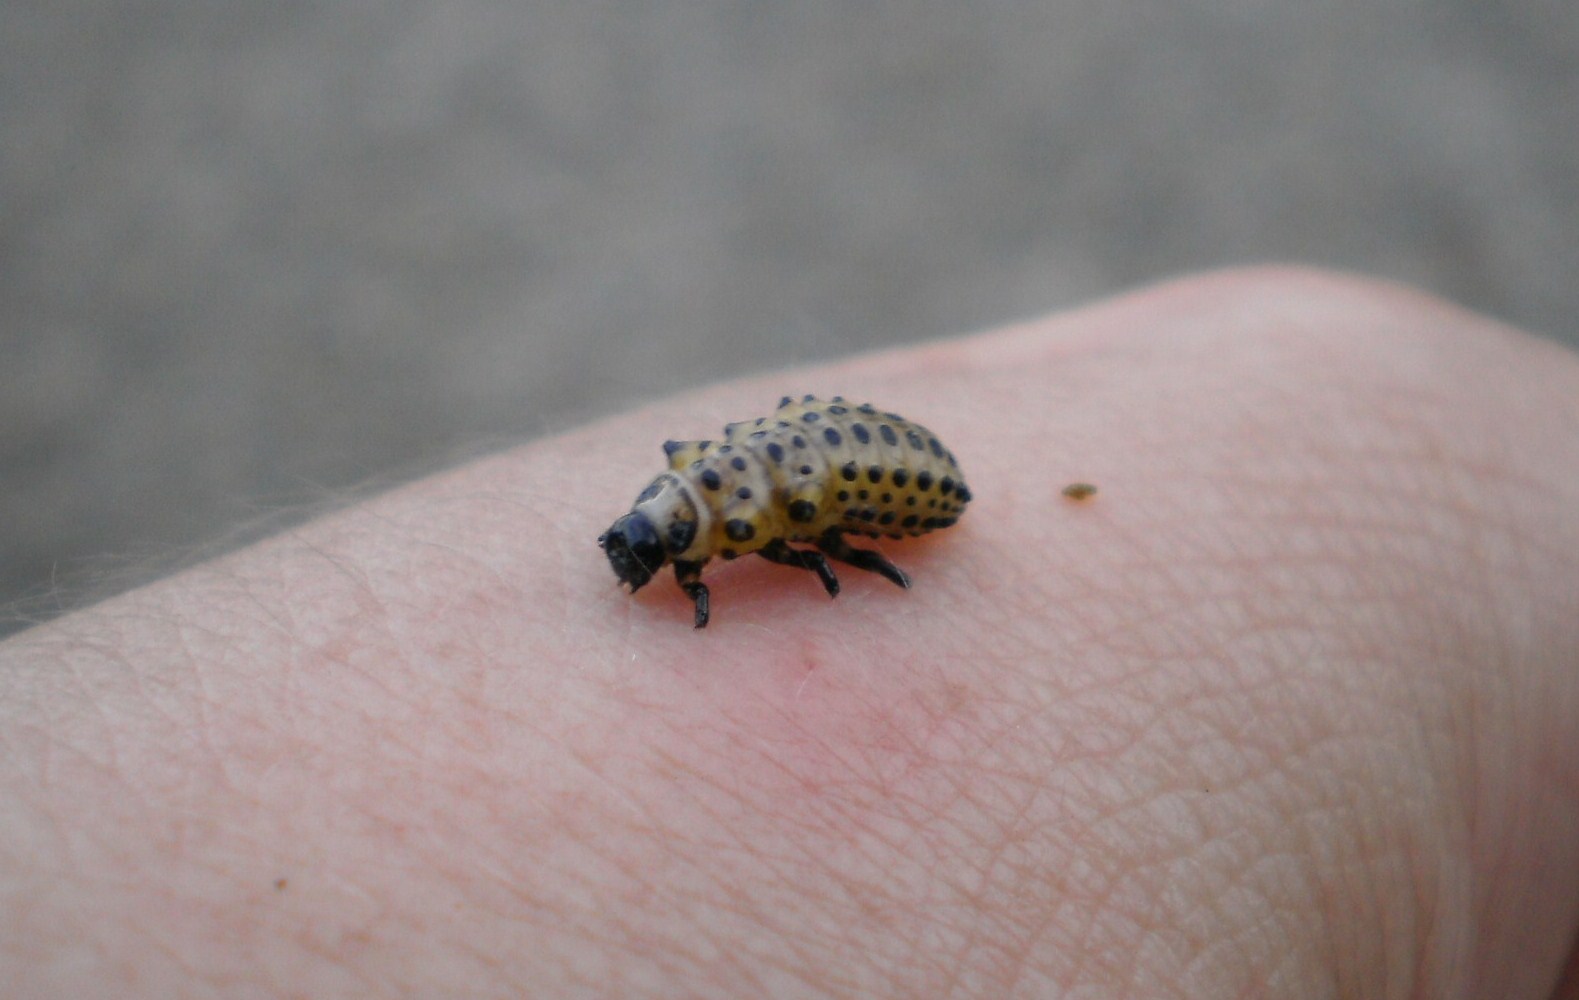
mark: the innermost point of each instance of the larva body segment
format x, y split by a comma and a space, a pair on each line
812, 472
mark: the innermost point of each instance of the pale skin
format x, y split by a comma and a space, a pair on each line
1289, 708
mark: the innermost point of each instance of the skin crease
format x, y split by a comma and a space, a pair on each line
1284, 710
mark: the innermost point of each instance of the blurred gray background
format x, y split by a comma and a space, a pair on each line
255, 254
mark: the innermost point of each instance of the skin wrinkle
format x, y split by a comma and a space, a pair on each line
1151, 852
1383, 863
769, 922
1164, 943
414, 749
1438, 952
742, 847
1102, 923
1225, 867
891, 789
1374, 857
673, 960
1417, 682
1303, 861
1095, 904
737, 902
1006, 937
984, 889
1024, 973
805, 947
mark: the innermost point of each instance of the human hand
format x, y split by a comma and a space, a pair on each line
1287, 709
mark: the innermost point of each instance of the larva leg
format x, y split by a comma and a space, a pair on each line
834, 544
690, 576
777, 551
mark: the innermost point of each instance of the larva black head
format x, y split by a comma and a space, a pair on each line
634, 549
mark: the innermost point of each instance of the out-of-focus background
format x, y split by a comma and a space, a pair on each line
254, 254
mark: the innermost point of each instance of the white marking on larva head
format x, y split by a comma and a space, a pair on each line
674, 499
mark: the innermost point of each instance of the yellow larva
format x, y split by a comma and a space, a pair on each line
812, 472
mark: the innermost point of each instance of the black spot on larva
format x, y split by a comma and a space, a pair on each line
744, 493
901, 477
696, 464
798, 441
832, 437
681, 534
726, 449
759, 421
843, 495
670, 447
887, 498
838, 399
852, 512
869, 514
887, 517
811, 416
951, 462
945, 486
775, 451
738, 530
738, 463
711, 480
910, 521
849, 472
937, 448
889, 437
896, 418
805, 470
875, 473
915, 441
704, 445
802, 511
808, 398
758, 435
838, 411
963, 494
866, 408
910, 501
861, 433
785, 402
863, 494
728, 553
932, 504
652, 490
923, 480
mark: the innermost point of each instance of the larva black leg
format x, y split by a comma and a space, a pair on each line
777, 551
689, 574
698, 592
834, 544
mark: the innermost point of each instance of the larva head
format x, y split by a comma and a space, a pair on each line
634, 549
661, 525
